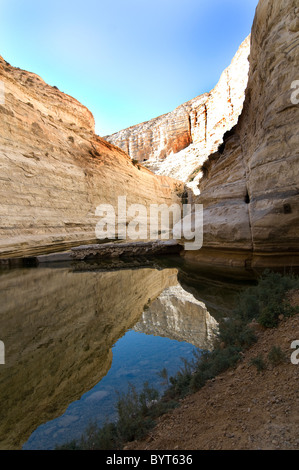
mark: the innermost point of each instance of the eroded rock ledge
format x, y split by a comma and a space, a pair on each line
112, 250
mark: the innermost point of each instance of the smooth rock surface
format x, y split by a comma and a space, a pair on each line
177, 314
250, 188
58, 346
55, 170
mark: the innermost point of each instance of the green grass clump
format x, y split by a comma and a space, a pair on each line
259, 363
267, 301
276, 356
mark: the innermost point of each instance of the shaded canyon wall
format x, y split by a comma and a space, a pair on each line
250, 189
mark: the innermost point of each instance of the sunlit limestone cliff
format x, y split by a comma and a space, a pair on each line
176, 143
55, 170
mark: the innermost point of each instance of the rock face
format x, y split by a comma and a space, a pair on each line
176, 143
176, 314
55, 170
111, 250
58, 346
250, 188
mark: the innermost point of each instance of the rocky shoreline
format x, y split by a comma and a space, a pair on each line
109, 250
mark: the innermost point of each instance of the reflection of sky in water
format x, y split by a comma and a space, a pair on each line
137, 357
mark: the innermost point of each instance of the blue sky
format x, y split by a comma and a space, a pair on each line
127, 60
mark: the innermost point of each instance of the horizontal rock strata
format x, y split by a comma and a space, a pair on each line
176, 143
250, 186
55, 170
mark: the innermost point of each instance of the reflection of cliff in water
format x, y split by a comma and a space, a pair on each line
177, 315
217, 289
58, 328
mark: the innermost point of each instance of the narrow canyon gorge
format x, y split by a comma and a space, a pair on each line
55, 170
232, 150
176, 143
237, 146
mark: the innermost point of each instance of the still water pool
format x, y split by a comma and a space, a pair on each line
77, 334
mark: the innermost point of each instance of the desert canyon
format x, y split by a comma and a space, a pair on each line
233, 149
237, 146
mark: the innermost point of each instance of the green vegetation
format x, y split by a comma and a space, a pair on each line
267, 301
259, 363
264, 302
137, 413
164, 375
276, 356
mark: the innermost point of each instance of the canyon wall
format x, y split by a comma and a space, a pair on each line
242, 155
55, 170
250, 188
176, 143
